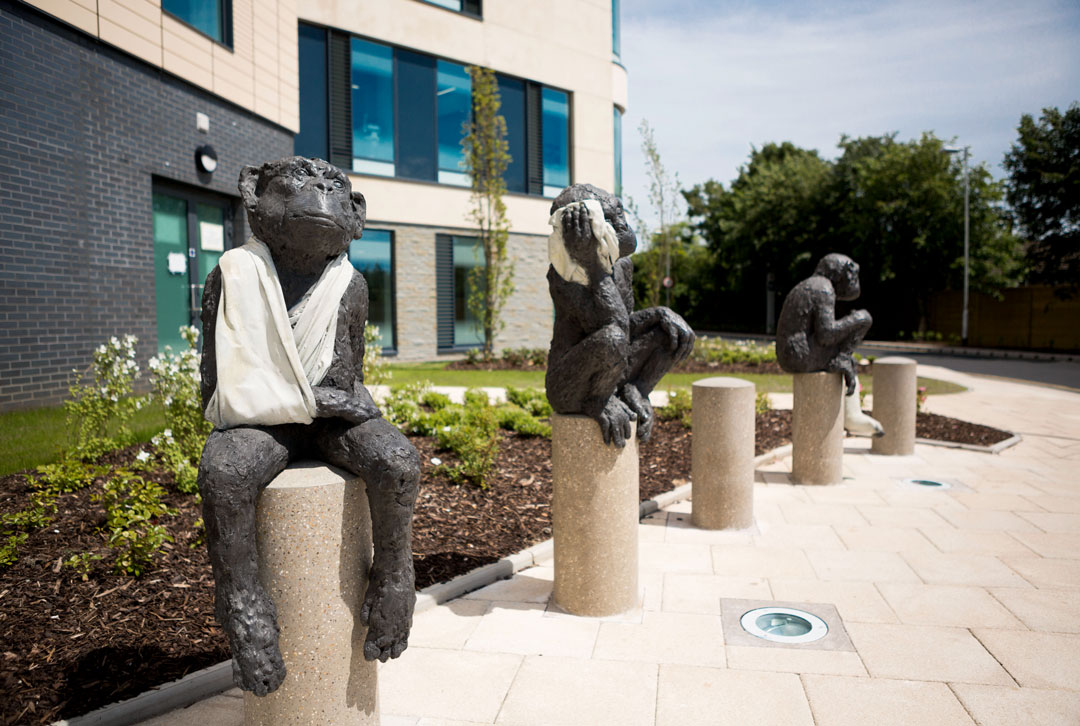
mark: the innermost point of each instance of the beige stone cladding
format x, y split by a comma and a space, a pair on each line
528, 313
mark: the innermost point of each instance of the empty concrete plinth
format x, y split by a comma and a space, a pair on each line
894, 405
722, 460
594, 518
314, 540
817, 429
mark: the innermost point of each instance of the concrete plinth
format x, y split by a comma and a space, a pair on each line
894, 405
594, 518
314, 540
817, 429
722, 461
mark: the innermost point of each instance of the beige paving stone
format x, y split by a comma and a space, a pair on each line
653, 528
572, 692
994, 501
662, 637
441, 722
751, 561
975, 542
683, 507
509, 629
840, 701
987, 519
1060, 522
884, 539
795, 660
861, 566
898, 516
856, 601
773, 477
652, 585
779, 493
531, 585
680, 530
982, 570
688, 696
664, 557
1052, 544
391, 720
798, 536
687, 593
857, 493
1058, 503
997, 706
457, 684
1046, 572
948, 605
768, 512
220, 710
447, 626
1052, 611
925, 653
825, 514
916, 498
1036, 660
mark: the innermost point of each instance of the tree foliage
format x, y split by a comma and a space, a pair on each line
486, 158
664, 204
1044, 192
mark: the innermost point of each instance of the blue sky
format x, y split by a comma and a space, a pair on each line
714, 78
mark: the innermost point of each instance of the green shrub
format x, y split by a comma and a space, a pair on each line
132, 508
732, 352
435, 401
525, 357
82, 563
762, 402
513, 418
103, 403
475, 398
9, 550
475, 440
402, 406
532, 400
678, 407
68, 475
376, 368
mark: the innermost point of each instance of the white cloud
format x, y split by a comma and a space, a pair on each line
715, 78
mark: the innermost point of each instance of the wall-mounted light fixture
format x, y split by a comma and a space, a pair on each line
206, 158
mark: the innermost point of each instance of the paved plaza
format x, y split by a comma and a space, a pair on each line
947, 607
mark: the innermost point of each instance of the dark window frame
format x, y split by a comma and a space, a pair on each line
445, 288
226, 25
466, 8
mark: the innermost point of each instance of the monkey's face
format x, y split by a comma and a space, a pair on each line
846, 283
303, 209
616, 215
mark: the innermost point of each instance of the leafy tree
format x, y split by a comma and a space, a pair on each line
486, 158
1044, 192
691, 269
664, 202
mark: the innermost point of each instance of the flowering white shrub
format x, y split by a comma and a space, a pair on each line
101, 399
376, 369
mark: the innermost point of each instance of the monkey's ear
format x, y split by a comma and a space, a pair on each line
359, 205
249, 182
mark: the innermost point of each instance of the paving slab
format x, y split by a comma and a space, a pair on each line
840, 701
687, 696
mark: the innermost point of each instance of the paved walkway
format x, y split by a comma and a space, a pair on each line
960, 606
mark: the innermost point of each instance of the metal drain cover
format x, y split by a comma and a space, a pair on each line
928, 483
784, 625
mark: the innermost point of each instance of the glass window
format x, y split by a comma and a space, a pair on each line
373, 256
618, 151
207, 16
556, 134
312, 140
615, 23
467, 327
454, 100
468, 7
372, 80
512, 107
415, 84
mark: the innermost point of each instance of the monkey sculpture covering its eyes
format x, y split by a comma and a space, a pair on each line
282, 379
605, 358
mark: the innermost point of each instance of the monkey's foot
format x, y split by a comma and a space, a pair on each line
615, 421
387, 611
253, 638
858, 423
641, 407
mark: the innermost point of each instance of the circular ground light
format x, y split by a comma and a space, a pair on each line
928, 483
784, 625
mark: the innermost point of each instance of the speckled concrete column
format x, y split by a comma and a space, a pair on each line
817, 429
722, 459
894, 405
594, 518
314, 539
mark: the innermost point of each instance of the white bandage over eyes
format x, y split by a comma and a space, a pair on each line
607, 243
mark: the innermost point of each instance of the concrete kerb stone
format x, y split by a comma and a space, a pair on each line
995, 449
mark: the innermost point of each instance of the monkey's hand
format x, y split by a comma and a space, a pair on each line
335, 403
679, 335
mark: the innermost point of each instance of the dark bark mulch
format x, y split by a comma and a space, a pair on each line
943, 428
69, 646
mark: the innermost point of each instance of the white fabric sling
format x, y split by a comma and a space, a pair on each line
607, 243
268, 358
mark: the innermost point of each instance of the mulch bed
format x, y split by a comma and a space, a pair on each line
69, 646
943, 428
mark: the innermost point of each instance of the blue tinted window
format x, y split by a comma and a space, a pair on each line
205, 15
618, 151
615, 23
415, 85
556, 134
512, 107
312, 139
467, 327
373, 256
454, 100
372, 79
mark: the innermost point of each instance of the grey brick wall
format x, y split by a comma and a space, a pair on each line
84, 130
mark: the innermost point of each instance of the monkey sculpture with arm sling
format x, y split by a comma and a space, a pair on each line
305, 213
606, 357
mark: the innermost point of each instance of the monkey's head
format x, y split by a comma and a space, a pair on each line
304, 210
613, 213
842, 272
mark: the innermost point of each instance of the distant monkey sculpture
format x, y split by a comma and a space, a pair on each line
810, 338
282, 379
605, 358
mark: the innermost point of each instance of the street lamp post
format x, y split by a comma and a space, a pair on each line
964, 318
